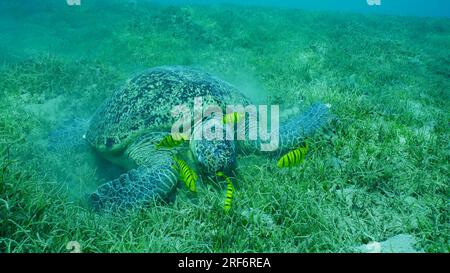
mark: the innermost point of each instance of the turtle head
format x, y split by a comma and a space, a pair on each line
213, 155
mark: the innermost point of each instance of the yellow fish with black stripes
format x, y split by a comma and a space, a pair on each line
293, 157
187, 175
229, 193
231, 118
172, 140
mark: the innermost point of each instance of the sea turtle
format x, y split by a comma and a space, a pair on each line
127, 127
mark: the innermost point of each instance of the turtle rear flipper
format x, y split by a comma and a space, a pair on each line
154, 178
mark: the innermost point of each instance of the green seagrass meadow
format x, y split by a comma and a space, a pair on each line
379, 169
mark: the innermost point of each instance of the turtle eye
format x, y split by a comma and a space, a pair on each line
109, 142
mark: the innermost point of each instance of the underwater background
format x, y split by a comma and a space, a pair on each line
375, 180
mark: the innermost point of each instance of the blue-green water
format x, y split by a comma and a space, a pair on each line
393, 7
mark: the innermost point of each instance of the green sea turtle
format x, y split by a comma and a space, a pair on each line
127, 127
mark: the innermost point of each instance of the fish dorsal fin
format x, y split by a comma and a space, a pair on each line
172, 140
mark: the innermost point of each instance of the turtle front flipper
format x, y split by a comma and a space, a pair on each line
154, 176
294, 132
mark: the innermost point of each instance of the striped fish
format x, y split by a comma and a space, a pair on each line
231, 118
172, 140
229, 194
187, 175
293, 157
